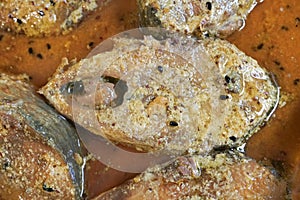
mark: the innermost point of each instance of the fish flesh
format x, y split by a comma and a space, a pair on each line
218, 18
40, 18
178, 95
227, 175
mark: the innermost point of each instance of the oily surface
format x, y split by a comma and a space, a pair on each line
271, 36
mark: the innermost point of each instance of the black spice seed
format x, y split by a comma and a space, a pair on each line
41, 13
260, 46
279, 65
40, 56
227, 79
285, 28
153, 10
296, 81
48, 46
30, 50
208, 5
277, 62
47, 189
6, 164
19, 21
52, 2
160, 69
233, 138
224, 97
206, 35
297, 19
91, 44
173, 123
1, 37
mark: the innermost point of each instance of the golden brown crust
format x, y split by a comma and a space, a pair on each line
222, 176
237, 95
38, 18
218, 18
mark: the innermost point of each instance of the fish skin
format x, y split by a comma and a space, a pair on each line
32, 122
218, 18
240, 95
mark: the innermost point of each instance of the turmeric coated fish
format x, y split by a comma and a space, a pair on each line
39, 18
218, 18
180, 94
218, 176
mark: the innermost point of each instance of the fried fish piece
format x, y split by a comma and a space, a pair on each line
179, 95
38, 18
220, 176
218, 18
40, 153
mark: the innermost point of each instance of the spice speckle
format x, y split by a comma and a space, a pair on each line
173, 123
208, 5
285, 28
227, 79
160, 69
297, 20
260, 46
47, 189
41, 13
224, 97
233, 138
40, 56
30, 50
19, 21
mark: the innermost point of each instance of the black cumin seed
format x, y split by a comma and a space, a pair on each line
296, 81
153, 10
260, 46
206, 35
30, 50
91, 44
160, 69
233, 138
47, 189
19, 21
285, 28
224, 97
41, 13
173, 123
52, 2
6, 164
277, 62
40, 56
227, 79
208, 5
48, 46
297, 19
1, 37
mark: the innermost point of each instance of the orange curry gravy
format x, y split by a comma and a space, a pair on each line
271, 36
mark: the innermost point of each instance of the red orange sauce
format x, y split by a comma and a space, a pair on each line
271, 36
